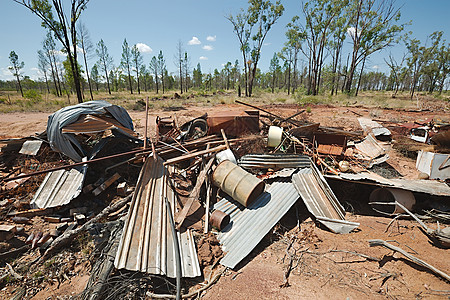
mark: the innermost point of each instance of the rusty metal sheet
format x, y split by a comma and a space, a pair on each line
431, 187
321, 201
436, 165
330, 144
146, 244
31, 147
273, 161
248, 226
234, 123
59, 187
370, 147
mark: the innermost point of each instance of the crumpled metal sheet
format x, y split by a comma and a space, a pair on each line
93, 124
321, 201
60, 187
147, 243
370, 147
273, 161
66, 142
369, 125
248, 226
431, 187
234, 123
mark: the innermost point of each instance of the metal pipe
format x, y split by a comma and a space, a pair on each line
177, 250
76, 164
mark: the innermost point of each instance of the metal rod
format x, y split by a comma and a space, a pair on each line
173, 147
146, 123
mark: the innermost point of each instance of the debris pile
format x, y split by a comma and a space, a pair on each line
198, 195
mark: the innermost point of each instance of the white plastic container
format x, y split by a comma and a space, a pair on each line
274, 136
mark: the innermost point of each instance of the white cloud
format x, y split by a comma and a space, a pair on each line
351, 32
203, 58
5, 74
207, 47
267, 44
194, 41
376, 67
211, 38
143, 48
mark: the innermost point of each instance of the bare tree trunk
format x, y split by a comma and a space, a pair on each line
360, 76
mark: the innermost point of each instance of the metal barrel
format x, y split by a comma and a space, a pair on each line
237, 183
219, 219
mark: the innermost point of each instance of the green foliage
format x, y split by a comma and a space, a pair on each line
33, 95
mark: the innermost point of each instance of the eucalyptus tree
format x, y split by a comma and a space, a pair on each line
373, 27
49, 47
162, 69
138, 61
95, 76
105, 61
251, 27
87, 49
126, 62
63, 27
197, 76
273, 69
155, 69
186, 68
179, 58
15, 68
43, 66
287, 55
397, 72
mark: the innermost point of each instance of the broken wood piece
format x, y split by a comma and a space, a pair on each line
377, 242
194, 194
442, 237
224, 139
106, 184
31, 212
208, 200
7, 232
194, 154
68, 235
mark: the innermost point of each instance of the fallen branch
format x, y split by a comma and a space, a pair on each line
69, 235
374, 243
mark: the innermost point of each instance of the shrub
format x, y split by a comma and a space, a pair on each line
32, 95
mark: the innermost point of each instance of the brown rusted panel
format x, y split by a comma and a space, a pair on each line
234, 123
330, 144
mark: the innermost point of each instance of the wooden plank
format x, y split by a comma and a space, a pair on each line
194, 194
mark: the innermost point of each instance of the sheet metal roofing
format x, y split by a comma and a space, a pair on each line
146, 244
248, 226
59, 187
321, 201
274, 161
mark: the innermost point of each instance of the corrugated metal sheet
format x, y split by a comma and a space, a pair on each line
436, 165
273, 161
31, 147
248, 226
321, 201
146, 244
60, 187
370, 147
431, 187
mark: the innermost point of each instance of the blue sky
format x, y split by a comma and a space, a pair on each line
161, 24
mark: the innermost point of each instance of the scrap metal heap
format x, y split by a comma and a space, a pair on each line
202, 193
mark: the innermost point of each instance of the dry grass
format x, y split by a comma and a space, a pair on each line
11, 101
